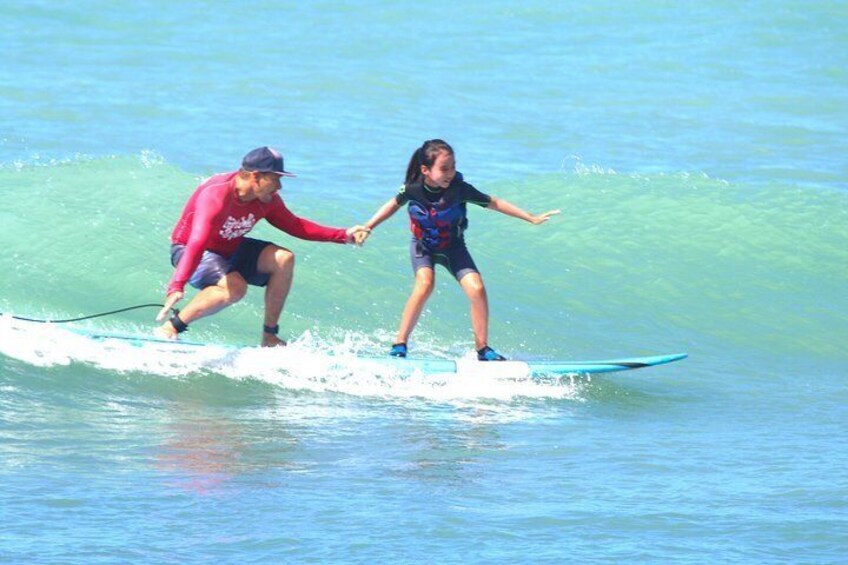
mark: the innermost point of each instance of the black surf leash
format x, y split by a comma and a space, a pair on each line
174, 310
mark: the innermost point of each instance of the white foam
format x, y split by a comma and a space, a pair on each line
308, 364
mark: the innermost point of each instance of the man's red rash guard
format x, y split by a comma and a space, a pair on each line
214, 219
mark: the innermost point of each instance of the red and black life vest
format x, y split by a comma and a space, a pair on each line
437, 220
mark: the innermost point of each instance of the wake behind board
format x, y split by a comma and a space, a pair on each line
503, 369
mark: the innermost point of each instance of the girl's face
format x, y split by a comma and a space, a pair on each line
442, 172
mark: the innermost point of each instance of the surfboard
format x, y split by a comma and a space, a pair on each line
425, 365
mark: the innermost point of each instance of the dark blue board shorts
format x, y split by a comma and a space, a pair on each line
455, 259
213, 267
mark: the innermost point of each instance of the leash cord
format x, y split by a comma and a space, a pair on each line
174, 310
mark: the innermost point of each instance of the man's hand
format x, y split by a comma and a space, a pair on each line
358, 234
170, 301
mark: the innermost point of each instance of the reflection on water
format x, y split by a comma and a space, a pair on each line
451, 453
205, 454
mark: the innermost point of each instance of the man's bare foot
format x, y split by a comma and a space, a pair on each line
270, 340
167, 331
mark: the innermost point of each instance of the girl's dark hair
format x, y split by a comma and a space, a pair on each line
426, 156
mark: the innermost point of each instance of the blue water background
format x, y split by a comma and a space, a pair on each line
697, 153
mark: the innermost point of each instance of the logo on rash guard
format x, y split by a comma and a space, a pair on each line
234, 228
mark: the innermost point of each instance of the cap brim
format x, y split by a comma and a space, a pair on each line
283, 174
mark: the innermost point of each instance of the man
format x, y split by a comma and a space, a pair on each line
210, 251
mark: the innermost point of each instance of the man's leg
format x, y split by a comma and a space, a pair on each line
229, 290
278, 264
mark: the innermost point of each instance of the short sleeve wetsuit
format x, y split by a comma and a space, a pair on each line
438, 220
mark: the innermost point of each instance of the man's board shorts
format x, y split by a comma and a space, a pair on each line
456, 259
213, 267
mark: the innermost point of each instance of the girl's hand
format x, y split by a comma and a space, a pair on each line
541, 218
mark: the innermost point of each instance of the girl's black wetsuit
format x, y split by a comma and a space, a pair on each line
438, 220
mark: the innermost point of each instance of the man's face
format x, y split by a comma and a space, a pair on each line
267, 184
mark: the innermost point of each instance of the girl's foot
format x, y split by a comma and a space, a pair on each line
489, 354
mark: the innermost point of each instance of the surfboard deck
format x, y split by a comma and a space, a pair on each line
508, 369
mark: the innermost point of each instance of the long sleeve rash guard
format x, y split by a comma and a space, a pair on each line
214, 219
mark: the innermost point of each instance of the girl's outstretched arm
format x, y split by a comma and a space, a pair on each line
510, 209
383, 214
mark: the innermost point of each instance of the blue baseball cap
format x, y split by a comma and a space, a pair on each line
265, 160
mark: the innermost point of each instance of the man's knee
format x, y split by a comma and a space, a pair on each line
284, 259
234, 286
276, 259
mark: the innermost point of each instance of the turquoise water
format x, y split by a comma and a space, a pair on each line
697, 154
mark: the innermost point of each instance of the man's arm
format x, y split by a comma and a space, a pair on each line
283, 219
201, 231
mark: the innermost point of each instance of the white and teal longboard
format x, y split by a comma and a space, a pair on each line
425, 365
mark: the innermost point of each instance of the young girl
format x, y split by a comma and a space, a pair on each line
437, 194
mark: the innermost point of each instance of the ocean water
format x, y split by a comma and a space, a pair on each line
697, 154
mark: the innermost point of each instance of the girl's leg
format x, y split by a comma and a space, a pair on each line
424, 278
472, 284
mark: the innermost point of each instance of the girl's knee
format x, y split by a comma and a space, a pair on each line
473, 286
424, 288
424, 284
477, 292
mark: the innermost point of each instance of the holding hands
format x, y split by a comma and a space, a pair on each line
358, 234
